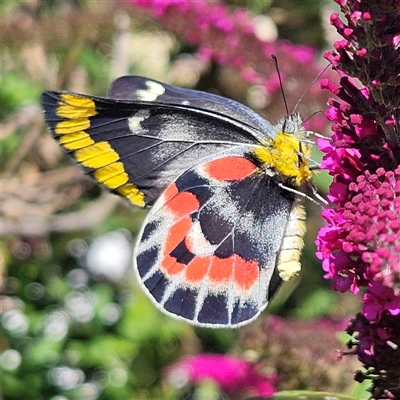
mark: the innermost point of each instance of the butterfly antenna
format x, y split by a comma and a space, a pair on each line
312, 115
273, 56
311, 84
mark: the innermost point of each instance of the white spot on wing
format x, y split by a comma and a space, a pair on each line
199, 245
135, 120
153, 91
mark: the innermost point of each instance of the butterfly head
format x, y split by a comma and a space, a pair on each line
291, 125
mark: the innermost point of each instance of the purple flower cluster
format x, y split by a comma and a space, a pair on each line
360, 246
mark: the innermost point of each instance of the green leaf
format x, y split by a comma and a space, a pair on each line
318, 304
15, 90
43, 352
105, 351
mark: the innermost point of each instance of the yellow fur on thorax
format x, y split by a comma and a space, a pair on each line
281, 154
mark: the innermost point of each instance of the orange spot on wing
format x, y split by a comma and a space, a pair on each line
229, 168
182, 204
221, 270
176, 234
170, 192
197, 268
171, 266
246, 272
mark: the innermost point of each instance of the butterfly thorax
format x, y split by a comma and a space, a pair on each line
286, 155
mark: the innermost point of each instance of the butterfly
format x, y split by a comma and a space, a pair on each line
227, 222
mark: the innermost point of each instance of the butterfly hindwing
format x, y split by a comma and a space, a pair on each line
137, 148
209, 246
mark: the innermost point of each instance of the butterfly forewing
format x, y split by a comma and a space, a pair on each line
137, 148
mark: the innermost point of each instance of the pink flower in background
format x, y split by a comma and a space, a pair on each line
231, 38
231, 374
360, 246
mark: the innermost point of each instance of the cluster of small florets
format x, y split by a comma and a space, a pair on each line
360, 246
376, 345
372, 227
237, 39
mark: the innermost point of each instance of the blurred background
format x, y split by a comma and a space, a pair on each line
74, 322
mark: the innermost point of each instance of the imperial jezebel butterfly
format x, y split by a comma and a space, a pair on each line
226, 225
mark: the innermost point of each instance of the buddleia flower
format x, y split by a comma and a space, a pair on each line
360, 245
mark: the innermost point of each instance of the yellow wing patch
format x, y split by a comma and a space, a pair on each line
100, 156
75, 107
113, 175
97, 155
76, 140
72, 126
131, 192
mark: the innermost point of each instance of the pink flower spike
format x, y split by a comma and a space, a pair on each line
363, 158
